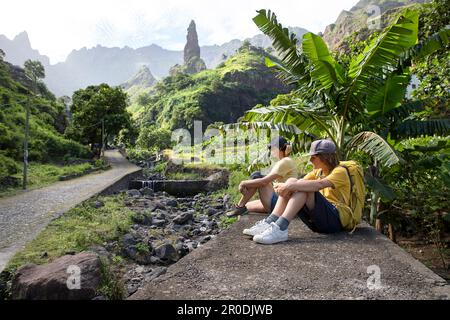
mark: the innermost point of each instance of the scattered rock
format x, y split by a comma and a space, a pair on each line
51, 281
144, 258
211, 211
205, 239
139, 270
133, 193
172, 203
218, 180
182, 249
98, 204
183, 218
158, 222
101, 251
132, 288
156, 272
166, 252
129, 240
147, 191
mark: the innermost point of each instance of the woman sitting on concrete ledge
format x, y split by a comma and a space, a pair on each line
283, 170
320, 199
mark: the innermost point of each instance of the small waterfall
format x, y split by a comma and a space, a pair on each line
148, 184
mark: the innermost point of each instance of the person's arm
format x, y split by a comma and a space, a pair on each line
302, 185
261, 182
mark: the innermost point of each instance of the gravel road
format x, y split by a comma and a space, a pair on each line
23, 216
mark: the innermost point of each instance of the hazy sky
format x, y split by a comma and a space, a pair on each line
56, 27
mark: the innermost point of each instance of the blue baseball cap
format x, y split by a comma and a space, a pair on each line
322, 146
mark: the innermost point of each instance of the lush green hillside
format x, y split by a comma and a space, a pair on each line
47, 123
219, 95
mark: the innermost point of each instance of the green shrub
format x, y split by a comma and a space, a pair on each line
8, 166
139, 154
154, 138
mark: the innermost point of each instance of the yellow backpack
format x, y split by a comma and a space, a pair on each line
357, 189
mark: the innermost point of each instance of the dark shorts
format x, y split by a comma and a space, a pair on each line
273, 201
324, 218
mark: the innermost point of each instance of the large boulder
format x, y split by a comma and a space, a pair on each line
71, 277
218, 180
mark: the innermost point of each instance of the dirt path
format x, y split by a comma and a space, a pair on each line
308, 266
23, 216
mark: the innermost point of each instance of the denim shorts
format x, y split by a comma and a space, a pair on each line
273, 201
324, 218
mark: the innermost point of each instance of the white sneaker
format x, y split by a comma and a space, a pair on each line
271, 235
257, 228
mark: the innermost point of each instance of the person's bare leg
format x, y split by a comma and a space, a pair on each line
265, 195
246, 196
255, 206
282, 201
296, 202
281, 205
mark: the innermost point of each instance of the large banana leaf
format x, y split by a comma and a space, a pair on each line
415, 128
301, 139
379, 187
437, 41
369, 70
284, 43
325, 69
389, 96
375, 146
315, 120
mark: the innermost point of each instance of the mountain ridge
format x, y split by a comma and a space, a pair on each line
115, 65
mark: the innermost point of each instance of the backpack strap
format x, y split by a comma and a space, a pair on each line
349, 177
351, 190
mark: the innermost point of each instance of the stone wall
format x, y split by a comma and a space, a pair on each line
122, 183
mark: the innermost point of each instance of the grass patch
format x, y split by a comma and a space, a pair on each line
183, 176
225, 222
76, 231
41, 175
112, 286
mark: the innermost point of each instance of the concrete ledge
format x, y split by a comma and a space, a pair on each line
308, 266
121, 183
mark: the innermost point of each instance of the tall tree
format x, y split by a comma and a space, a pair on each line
98, 111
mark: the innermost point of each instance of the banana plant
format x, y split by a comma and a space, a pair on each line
339, 102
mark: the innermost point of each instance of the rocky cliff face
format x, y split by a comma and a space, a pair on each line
191, 49
192, 61
143, 78
19, 50
358, 19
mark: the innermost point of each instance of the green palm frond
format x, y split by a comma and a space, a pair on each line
285, 43
375, 146
417, 128
325, 69
379, 187
389, 96
435, 42
312, 119
369, 70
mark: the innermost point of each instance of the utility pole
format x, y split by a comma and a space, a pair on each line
25, 145
103, 137
27, 133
